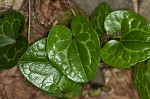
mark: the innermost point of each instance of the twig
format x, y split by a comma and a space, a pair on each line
135, 5
72, 10
29, 18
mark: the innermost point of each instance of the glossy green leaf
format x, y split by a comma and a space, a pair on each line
122, 21
37, 68
75, 53
142, 79
12, 44
98, 17
133, 43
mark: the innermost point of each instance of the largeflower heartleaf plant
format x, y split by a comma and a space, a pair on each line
68, 57
127, 43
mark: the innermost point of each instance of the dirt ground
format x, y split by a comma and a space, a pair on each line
41, 15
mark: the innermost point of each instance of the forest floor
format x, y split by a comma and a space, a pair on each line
41, 15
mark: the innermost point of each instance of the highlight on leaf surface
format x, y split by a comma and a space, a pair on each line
12, 43
142, 79
37, 68
75, 52
133, 44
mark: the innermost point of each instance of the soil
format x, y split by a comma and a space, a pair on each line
41, 15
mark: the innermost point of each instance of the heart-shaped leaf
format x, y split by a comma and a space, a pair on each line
37, 68
98, 17
12, 44
76, 54
142, 79
134, 43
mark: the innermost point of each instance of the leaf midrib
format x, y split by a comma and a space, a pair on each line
130, 49
81, 61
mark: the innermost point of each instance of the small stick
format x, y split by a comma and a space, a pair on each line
135, 5
72, 10
29, 17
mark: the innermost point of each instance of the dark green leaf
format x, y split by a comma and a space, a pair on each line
98, 17
36, 67
10, 54
12, 25
12, 44
76, 53
142, 79
134, 43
